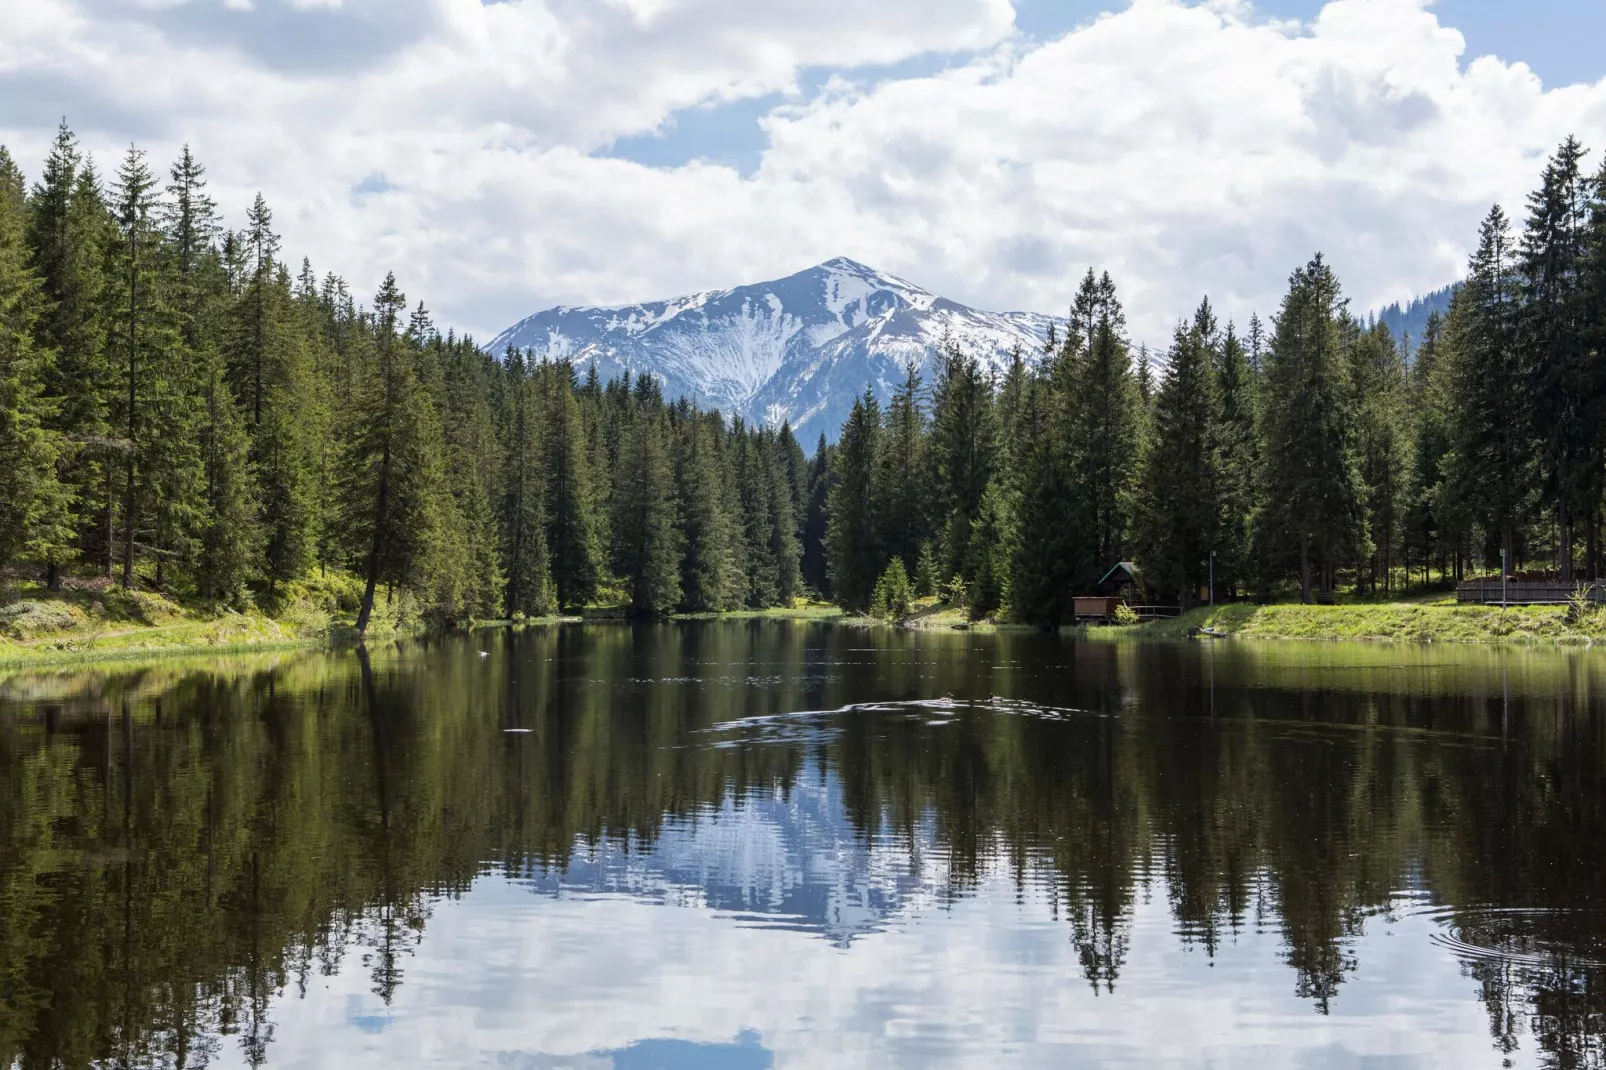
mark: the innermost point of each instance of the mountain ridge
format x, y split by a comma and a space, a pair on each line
797, 349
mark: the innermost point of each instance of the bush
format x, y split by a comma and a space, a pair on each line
893, 597
25, 620
1125, 615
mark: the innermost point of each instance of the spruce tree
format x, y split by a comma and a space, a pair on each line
1051, 552
1105, 414
572, 536
1179, 493
71, 238
646, 543
1378, 375
900, 472
35, 520
853, 556
707, 580
963, 450
1551, 333
1490, 466
1313, 516
526, 564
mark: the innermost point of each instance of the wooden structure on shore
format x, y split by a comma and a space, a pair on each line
1488, 591
1119, 587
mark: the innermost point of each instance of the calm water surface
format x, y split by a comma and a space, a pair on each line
770, 844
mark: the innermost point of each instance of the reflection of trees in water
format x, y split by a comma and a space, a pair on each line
248, 827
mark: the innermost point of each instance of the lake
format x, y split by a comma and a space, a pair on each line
748, 844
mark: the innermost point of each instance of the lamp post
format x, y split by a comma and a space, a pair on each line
1503, 577
1212, 579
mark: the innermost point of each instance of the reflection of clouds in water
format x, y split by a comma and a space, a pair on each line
991, 980
744, 1053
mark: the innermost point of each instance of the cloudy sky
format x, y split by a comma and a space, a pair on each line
506, 156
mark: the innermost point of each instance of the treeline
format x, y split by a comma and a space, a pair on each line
178, 409
1306, 456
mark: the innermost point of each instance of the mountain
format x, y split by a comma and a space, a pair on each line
1408, 322
798, 349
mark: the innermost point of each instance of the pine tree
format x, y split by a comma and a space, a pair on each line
1425, 529
707, 580
1313, 516
70, 235
815, 574
1491, 459
853, 555
392, 468
1551, 334
900, 471
1050, 552
892, 598
1238, 446
526, 563
228, 536
647, 545
572, 537
1179, 495
35, 521
1105, 414
991, 538
963, 450
1378, 375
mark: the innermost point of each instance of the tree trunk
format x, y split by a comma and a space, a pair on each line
381, 507
1564, 522
52, 575
1304, 569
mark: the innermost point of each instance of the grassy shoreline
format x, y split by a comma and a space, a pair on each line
1382, 622
158, 631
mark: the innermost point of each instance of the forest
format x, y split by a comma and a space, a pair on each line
182, 410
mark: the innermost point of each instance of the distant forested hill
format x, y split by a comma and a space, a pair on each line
1412, 319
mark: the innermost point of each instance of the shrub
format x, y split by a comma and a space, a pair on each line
1125, 615
25, 620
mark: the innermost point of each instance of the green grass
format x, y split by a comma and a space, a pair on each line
1437, 621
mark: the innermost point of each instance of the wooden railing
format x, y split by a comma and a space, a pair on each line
1488, 591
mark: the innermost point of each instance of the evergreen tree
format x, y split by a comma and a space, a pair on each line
571, 515
1050, 551
901, 469
70, 236
853, 555
1311, 487
892, 598
647, 545
1238, 457
815, 575
392, 468
1425, 530
707, 580
1551, 330
35, 521
1179, 496
1378, 375
1105, 413
526, 564
963, 444
987, 568
1491, 459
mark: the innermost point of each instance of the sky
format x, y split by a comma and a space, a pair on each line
503, 156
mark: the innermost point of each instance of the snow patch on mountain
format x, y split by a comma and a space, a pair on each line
796, 350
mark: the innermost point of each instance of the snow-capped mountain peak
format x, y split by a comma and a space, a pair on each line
797, 349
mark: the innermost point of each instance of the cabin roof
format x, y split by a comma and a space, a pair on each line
1121, 566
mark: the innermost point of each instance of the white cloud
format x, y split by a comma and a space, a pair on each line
1186, 149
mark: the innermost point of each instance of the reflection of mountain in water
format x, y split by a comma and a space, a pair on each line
788, 860
178, 847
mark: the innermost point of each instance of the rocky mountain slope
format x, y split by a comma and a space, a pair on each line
798, 349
